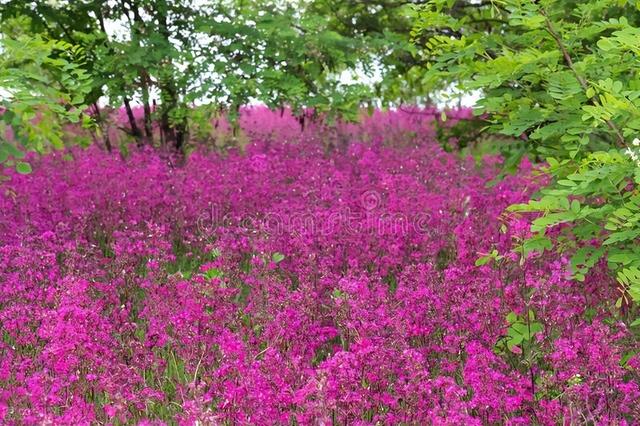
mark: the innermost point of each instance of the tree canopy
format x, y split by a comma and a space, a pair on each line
561, 76
168, 55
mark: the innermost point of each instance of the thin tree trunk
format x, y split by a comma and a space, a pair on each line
163, 140
147, 109
145, 79
167, 130
135, 131
105, 132
181, 134
175, 134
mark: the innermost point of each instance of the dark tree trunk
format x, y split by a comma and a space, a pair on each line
105, 131
165, 127
145, 79
148, 130
175, 133
135, 131
181, 134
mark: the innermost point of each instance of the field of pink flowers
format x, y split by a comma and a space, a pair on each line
296, 284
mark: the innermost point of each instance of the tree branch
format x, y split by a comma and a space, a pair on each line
583, 82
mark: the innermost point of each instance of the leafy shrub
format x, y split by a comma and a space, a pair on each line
561, 75
42, 86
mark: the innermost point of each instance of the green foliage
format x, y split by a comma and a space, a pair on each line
277, 257
168, 55
291, 56
43, 86
493, 256
213, 273
521, 331
562, 76
383, 29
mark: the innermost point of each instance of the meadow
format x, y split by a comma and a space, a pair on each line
370, 280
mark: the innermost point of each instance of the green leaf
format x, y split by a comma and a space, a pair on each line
11, 150
537, 243
575, 206
213, 273
23, 168
536, 327
483, 260
605, 44
515, 340
277, 257
617, 237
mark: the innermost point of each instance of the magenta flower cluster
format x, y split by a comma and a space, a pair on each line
120, 304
